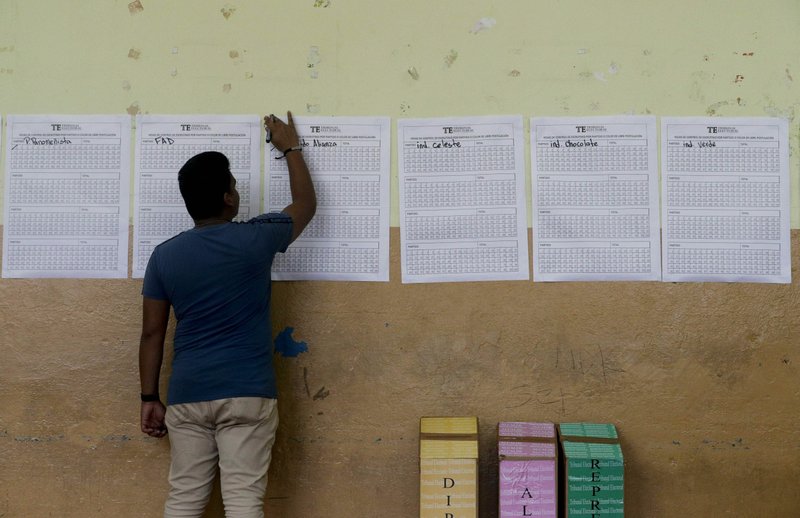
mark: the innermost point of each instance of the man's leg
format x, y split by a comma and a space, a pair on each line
245, 434
194, 459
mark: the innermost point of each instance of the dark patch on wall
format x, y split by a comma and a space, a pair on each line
135, 7
322, 394
227, 11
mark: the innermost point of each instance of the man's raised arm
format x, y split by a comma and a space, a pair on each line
304, 200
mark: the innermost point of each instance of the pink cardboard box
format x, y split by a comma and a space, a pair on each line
528, 470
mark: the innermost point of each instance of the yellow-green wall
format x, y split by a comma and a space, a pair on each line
567, 57
701, 379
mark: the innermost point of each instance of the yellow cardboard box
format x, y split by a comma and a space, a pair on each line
448, 467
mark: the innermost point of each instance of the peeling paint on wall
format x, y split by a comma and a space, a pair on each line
227, 11
774, 110
313, 60
134, 53
312, 108
322, 3
413, 73
483, 24
451, 58
135, 7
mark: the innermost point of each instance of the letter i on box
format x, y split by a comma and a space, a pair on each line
593, 471
448, 467
528, 470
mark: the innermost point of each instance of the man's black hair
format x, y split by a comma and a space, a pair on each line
203, 180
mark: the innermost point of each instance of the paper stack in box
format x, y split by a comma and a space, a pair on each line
593, 471
448, 465
528, 469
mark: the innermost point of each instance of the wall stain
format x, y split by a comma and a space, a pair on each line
405, 107
248, 75
46, 438
413, 73
747, 54
739, 78
133, 109
7, 49
312, 108
712, 109
226, 88
514, 73
6, 71
451, 58
234, 54
312, 61
126, 85
134, 53
135, 7
789, 75
718, 445
305, 381
227, 11
117, 438
322, 3
321, 394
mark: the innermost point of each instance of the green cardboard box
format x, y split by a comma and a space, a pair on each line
593, 471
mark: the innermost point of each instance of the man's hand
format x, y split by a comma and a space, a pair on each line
153, 418
282, 135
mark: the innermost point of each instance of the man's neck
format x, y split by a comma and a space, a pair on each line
208, 222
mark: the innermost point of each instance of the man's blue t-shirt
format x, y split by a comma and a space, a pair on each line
217, 279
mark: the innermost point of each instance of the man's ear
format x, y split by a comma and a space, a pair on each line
227, 198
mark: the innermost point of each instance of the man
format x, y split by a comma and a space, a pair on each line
216, 276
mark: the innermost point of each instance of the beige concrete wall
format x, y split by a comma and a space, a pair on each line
701, 380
